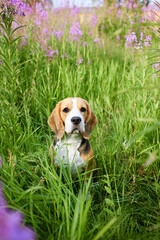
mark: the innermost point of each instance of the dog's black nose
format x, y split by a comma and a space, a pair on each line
75, 120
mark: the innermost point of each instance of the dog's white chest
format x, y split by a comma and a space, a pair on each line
67, 154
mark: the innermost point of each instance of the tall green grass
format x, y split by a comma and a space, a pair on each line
125, 197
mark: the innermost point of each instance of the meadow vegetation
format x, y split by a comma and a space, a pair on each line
111, 59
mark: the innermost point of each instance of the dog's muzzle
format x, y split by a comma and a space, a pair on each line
76, 120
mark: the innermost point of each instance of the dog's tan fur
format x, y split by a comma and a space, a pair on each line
57, 123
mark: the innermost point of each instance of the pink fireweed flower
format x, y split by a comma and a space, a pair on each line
75, 11
75, 31
148, 38
90, 61
102, 27
11, 227
85, 44
45, 31
81, 60
96, 40
19, 7
40, 11
54, 33
117, 5
40, 14
118, 38
94, 20
155, 65
38, 22
59, 34
119, 13
50, 53
66, 56
132, 41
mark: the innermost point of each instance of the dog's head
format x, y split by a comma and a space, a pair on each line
72, 115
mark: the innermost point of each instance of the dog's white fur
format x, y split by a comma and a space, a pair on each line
68, 154
68, 148
69, 126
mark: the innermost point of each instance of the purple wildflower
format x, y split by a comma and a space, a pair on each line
94, 20
11, 227
148, 38
155, 75
85, 44
54, 32
132, 41
90, 61
117, 5
40, 14
66, 56
119, 13
59, 34
50, 53
45, 31
19, 7
75, 31
96, 40
141, 36
74, 11
81, 60
155, 65
40, 11
118, 38
102, 26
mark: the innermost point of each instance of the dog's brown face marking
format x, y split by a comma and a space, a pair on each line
67, 107
72, 114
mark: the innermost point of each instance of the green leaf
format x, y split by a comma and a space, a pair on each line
16, 30
108, 189
3, 27
109, 202
6, 40
16, 39
105, 228
4, 69
109, 211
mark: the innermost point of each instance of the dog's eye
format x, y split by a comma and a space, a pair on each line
83, 109
66, 110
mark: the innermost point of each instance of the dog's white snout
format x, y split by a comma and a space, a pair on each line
74, 119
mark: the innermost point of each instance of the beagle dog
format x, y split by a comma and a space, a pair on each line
72, 121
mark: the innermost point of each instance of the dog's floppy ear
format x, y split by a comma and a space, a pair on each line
91, 121
55, 122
